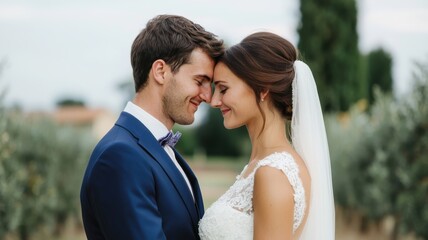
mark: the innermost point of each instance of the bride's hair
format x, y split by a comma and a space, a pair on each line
264, 61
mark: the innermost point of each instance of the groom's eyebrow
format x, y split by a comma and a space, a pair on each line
204, 77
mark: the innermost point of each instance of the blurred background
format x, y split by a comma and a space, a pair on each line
65, 75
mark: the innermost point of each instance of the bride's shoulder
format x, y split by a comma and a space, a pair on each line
273, 198
285, 163
284, 186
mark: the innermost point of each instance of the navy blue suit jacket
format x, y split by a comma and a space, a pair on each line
133, 190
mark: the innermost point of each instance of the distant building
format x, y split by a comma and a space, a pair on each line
98, 120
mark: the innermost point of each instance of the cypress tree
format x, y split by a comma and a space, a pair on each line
379, 71
328, 43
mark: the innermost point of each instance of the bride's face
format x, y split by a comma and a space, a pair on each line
235, 99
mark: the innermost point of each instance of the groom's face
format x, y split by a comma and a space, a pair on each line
188, 87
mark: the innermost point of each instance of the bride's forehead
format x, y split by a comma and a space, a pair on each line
222, 74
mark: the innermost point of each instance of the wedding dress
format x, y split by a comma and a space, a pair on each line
231, 216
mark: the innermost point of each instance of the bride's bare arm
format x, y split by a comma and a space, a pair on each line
273, 205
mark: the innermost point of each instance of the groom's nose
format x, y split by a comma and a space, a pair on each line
206, 93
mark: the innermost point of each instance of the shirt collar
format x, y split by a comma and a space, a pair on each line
155, 126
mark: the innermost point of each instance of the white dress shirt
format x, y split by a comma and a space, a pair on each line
158, 130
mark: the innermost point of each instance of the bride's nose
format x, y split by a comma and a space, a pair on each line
216, 100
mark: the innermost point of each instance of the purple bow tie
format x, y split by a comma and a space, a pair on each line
171, 139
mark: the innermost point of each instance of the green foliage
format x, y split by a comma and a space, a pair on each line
379, 72
41, 167
70, 102
380, 170
216, 140
188, 144
328, 42
412, 203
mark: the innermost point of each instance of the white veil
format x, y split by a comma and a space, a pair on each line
310, 141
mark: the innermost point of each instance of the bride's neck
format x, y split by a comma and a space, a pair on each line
272, 138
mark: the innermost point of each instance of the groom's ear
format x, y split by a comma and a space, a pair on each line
160, 70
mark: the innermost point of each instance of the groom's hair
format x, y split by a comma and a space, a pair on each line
172, 39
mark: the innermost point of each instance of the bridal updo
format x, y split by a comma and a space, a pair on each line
265, 62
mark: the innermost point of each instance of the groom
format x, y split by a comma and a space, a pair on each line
136, 185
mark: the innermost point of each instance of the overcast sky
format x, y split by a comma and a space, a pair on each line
80, 48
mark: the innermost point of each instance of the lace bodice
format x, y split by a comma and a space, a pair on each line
231, 216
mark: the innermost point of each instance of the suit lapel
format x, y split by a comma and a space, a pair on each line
150, 144
193, 182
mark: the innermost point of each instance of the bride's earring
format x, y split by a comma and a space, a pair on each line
263, 95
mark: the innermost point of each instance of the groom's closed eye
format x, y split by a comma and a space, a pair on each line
203, 81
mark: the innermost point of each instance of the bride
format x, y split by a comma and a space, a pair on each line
285, 190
